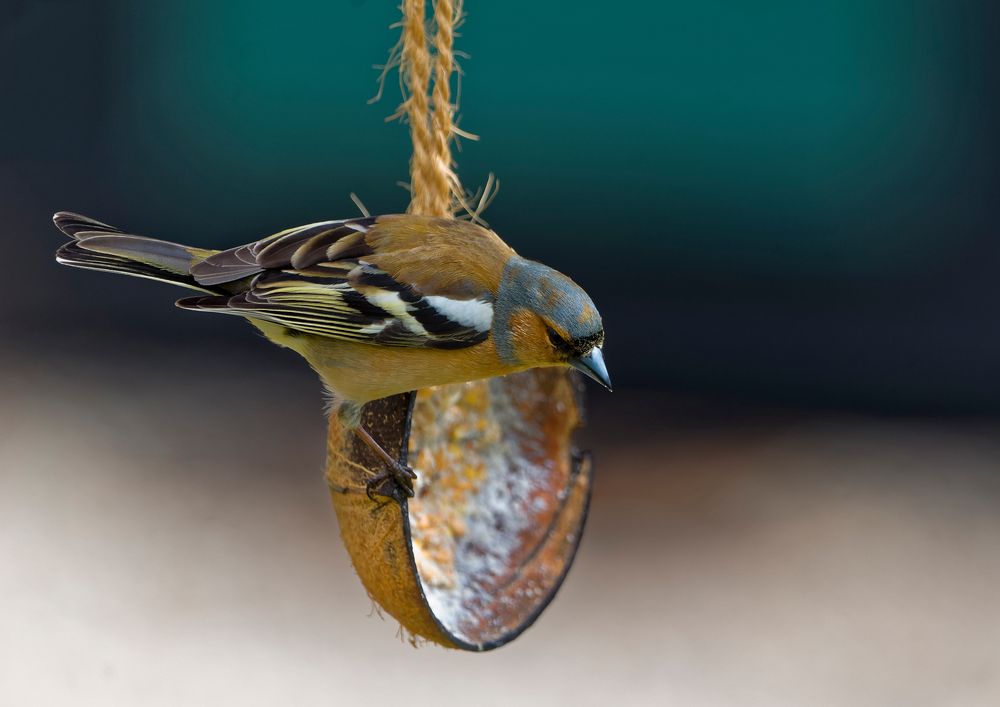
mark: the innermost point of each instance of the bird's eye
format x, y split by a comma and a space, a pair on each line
558, 343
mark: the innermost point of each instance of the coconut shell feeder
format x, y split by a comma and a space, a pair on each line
501, 494
501, 498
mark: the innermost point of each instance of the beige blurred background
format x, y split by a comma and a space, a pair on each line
165, 544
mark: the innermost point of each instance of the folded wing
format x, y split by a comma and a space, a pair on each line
321, 279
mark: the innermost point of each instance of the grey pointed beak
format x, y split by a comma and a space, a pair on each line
592, 365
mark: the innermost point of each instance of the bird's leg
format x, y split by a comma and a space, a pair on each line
350, 415
401, 474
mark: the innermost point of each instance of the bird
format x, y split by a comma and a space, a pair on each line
377, 305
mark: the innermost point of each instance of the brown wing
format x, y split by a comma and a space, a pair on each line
296, 248
401, 281
438, 256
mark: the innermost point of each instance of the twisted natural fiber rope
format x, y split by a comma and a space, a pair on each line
433, 181
444, 18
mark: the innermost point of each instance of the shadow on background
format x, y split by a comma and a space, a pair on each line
787, 215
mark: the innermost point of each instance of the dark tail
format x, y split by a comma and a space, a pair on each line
98, 246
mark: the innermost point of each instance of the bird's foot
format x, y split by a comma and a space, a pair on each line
386, 483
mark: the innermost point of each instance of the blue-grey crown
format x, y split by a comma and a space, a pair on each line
547, 292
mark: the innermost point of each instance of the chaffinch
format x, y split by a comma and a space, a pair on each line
377, 305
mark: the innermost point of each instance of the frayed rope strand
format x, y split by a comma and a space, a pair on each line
427, 182
425, 66
445, 16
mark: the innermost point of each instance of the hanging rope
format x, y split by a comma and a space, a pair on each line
433, 181
445, 17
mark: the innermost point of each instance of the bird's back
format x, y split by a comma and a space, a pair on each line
445, 256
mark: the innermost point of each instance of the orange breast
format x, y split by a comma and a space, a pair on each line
363, 372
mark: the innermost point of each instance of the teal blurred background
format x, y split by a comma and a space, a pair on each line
781, 201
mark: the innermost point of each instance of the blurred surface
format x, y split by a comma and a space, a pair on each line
180, 552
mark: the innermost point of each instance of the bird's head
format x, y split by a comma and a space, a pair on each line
546, 319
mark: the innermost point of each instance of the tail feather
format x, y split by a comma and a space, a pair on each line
74, 255
72, 224
98, 246
161, 254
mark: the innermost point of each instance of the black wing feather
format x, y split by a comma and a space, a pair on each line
314, 279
